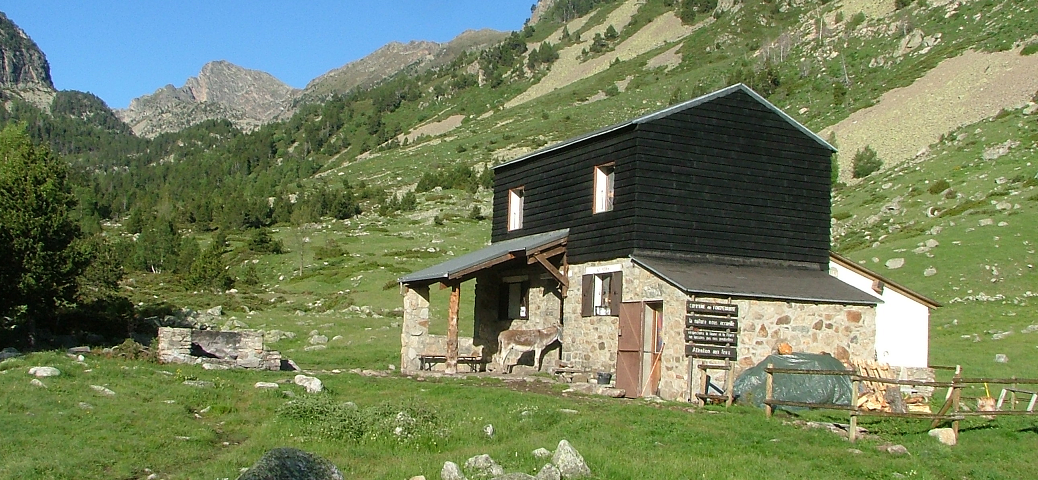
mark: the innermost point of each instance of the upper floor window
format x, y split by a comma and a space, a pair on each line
515, 208
604, 187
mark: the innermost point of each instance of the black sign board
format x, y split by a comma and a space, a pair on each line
710, 351
712, 323
729, 309
711, 336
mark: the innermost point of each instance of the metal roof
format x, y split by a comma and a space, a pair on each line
446, 269
673, 109
746, 281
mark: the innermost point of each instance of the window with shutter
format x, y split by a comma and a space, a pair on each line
601, 294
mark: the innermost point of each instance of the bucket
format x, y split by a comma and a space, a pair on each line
604, 378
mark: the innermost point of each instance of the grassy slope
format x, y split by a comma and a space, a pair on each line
120, 436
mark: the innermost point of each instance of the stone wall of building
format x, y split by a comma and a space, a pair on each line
414, 327
242, 349
846, 332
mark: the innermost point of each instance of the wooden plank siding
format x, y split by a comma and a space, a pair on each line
725, 177
559, 193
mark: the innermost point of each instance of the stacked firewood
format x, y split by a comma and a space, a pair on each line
885, 397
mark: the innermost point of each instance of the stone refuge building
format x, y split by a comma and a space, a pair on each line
226, 349
695, 235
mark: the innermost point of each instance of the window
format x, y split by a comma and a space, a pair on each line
515, 300
515, 209
604, 188
601, 294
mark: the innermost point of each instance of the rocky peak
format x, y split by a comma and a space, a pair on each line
538, 10
248, 98
23, 64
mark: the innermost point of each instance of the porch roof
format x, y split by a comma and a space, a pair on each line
494, 254
752, 281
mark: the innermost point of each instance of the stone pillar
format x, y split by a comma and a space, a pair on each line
414, 328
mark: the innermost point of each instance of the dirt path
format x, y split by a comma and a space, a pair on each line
959, 91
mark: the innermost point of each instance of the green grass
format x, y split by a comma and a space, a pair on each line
178, 431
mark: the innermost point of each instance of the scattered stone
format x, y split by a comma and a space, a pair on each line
311, 384
854, 451
1001, 335
37, 383
266, 385
944, 435
318, 340
233, 324
337, 338
542, 453
483, 466
314, 348
929, 272
78, 350
984, 222
215, 311
9, 352
417, 477
1001, 358
549, 472
569, 462
85, 406
893, 449
1003, 206
895, 263
215, 366
931, 243
488, 429
198, 383
41, 372
291, 463
1003, 224
1030, 329
103, 390
516, 476
594, 389
451, 471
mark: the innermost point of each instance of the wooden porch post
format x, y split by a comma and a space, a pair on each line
451, 363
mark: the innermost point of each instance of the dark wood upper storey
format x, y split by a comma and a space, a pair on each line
727, 174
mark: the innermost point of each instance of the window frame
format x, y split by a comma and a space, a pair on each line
505, 300
516, 205
604, 196
601, 294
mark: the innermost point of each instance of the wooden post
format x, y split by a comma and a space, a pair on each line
852, 431
728, 383
956, 394
769, 386
704, 380
451, 363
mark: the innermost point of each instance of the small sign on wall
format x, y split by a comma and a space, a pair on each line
712, 330
710, 351
728, 309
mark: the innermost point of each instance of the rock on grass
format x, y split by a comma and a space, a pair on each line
291, 463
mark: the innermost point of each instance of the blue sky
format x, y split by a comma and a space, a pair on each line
119, 50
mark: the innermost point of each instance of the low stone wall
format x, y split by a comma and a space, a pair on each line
230, 349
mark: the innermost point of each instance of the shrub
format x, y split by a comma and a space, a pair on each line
938, 187
866, 162
856, 19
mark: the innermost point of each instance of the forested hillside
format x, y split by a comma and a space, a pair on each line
386, 151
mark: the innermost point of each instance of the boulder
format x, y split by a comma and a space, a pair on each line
103, 391
944, 435
569, 462
37, 383
895, 263
318, 340
266, 385
9, 352
291, 463
1001, 358
451, 471
215, 311
483, 466
311, 384
41, 372
549, 472
542, 453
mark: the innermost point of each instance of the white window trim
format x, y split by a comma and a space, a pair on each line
616, 267
604, 188
516, 199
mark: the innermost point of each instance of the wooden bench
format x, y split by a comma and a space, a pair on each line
474, 359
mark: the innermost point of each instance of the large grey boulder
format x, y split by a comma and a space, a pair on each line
569, 461
451, 471
291, 464
311, 384
41, 372
549, 472
483, 466
9, 352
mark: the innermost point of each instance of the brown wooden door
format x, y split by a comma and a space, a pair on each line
629, 348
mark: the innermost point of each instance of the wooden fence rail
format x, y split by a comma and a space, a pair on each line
949, 411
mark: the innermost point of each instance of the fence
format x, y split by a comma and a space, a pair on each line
949, 411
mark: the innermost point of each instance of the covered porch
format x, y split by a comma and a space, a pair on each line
516, 284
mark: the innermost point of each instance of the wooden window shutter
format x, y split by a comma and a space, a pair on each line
616, 284
587, 295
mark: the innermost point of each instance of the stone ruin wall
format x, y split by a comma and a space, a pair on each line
227, 349
844, 331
